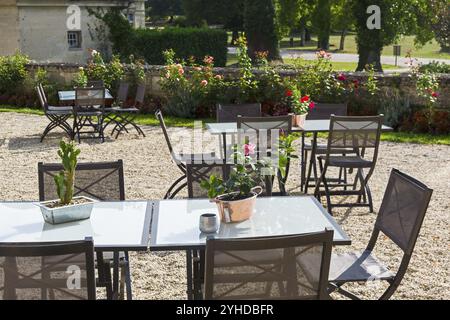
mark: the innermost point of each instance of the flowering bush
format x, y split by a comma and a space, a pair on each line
296, 102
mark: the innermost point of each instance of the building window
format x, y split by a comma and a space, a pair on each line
131, 18
74, 39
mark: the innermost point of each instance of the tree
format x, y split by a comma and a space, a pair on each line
341, 19
396, 17
441, 23
164, 8
322, 23
260, 28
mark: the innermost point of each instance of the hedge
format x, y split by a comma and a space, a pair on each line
186, 42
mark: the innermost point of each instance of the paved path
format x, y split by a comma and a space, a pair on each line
347, 57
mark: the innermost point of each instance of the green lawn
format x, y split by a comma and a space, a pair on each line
430, 50
149, 119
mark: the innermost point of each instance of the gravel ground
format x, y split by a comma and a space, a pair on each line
149, 172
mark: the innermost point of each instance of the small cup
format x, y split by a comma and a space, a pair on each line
209, 223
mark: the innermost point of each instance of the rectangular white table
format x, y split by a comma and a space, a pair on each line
114, 227
175, 226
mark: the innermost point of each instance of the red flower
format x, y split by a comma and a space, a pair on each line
342, 77
435, 94
311, 105
304, 99
289, 93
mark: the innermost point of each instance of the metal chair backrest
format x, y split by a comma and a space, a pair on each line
47, 271
89, 97
229, 113
196, 173
140, 95
102, 180
261, 129
323, 111
42, 98
122, 93
402, 210
268, 268
160, 118
357, 133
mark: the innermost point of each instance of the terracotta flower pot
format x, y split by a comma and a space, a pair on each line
237, 210
299, 120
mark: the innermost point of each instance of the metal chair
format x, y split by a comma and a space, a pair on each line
196, 173
259, 132
357, 134
58, 116
47, 271
181, 160
103, 181
402, 212
322, 111
126, 116
249, 268
89, 105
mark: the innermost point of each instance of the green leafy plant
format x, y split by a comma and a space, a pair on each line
13, 72
65, 179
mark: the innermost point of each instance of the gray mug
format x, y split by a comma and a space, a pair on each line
209, 223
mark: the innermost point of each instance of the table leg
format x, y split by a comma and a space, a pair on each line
302, 164
115, 275
312, 164
189, 274
224, 141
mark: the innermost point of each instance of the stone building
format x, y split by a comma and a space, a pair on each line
59, 30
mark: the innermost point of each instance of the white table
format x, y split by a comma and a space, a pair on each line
114, 227
175, 226
70, 95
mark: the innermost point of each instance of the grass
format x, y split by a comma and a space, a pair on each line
430, 50
150, 120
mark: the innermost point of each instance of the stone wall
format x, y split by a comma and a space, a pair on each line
64, 73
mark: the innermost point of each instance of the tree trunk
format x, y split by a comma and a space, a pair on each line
324, 43
307, 35
291, 41
342, 44
234, 37
369, 56
302, 36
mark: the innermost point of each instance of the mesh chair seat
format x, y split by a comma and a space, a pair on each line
322, 149
194, 157
348, 162
66, 109
357, 266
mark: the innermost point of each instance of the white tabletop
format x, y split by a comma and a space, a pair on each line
310, 126
175, 224
112, 225
70, 95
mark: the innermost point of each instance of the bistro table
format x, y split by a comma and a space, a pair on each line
175, 226
114, 226
311, 126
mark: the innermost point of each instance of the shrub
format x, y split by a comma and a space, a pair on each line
150, 44
435, 67
13, 72
188, 43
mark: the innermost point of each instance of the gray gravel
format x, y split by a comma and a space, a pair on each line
149, 172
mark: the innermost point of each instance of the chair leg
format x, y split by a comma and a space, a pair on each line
184, 185
128, 277
327, 189
169, 192
310, 168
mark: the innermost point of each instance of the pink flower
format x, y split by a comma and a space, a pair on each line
249, 149
204, 83
197, 69
181, 71
208, 60
311, 105
218, 77
342, 77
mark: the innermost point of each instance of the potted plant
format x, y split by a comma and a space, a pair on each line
236, 197
66, 208
299, 105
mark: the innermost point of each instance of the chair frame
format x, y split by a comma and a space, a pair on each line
53, 248
104, 273
322, 111
58, 118
230, 112
264, 243
83, 117
364, 192
194, 175
336, 286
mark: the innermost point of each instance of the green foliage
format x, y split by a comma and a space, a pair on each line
395, 107
13, 72
164, 8
322, 23
260, 28
65, 179
441, 22
435, 67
